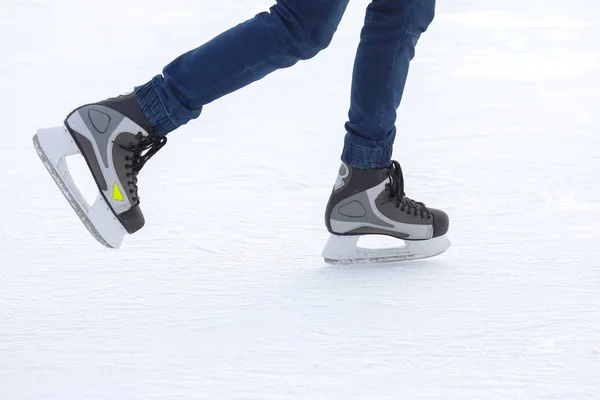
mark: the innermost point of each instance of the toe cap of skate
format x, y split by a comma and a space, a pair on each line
441, 222
132, 219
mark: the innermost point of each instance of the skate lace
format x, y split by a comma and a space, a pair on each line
139, 154
404, 203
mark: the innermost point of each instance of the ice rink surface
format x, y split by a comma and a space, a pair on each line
224, 294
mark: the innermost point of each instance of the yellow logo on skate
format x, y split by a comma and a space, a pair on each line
117, 195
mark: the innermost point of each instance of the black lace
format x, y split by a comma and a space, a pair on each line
139, 153
396, 188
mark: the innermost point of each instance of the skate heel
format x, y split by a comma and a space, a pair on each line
53, 145
345, 250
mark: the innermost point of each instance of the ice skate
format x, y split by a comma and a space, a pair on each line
115, 139
372, 202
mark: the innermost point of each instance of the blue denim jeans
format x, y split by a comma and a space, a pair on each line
296, 30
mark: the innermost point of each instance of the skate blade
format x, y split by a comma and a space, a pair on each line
344, 250
53, 145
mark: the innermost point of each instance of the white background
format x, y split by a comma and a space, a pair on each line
224, 295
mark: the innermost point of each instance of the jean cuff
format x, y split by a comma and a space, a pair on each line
153, 109
366, 158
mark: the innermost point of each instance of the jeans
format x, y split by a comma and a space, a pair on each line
296, 30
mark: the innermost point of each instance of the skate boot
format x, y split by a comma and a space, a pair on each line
115, 139
372, 202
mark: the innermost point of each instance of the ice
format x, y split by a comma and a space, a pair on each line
224, 294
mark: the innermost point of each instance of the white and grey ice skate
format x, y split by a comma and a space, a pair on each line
372, 202
115, 139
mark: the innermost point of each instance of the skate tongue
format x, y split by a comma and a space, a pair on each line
396, 180
156, 143
397, 192
414, 207
150, 145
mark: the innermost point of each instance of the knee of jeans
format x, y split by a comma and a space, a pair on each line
420, 15
312, 43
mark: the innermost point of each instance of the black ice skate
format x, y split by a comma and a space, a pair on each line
372, 202
115, 139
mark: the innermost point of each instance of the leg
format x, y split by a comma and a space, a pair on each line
388, 39
293, 30
117, 136
368, 197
